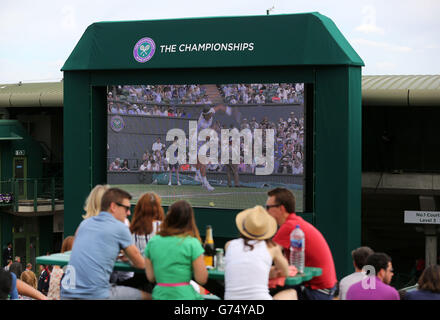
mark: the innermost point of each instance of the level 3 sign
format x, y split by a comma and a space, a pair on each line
422, 217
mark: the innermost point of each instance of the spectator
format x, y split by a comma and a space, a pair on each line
428, 285
30, 279
377, 287
157, 146
6, 284
96, 248
44, 280
248, 260
232, 168
29, 267
7, 253
124, 166
298, 167
115, 165
145, 166
359, 257
147, 217
92, 207
281, 205
58, 272
174, 167
175, 255
155, 166
16, 268
145, 156
8, 265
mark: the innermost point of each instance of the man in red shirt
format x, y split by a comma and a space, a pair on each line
281, 205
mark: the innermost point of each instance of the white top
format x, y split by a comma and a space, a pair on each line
348, 281
141, 241
157, 146
202, 123
247, 271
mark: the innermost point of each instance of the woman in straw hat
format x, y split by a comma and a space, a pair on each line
248, 259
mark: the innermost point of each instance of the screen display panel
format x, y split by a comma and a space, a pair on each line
214, 145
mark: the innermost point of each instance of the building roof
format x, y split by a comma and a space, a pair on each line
271, 40
393, 90
401, 90
42, 94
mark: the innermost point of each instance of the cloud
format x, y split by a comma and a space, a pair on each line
381, 45
370, 28
432, 46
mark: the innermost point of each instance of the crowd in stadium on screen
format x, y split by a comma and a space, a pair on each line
158, 95
263, 93
289, 142
161, 100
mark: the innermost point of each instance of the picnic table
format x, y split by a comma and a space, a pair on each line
62, 259
309, 273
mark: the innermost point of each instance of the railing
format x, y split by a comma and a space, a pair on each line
15, 192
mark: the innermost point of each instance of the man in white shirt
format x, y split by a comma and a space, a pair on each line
359, 256
157, 146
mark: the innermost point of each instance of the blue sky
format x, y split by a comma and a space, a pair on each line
392, 37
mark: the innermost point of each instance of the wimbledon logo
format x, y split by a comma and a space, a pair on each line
117, 123
144, 50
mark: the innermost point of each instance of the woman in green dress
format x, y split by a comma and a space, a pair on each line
174, 256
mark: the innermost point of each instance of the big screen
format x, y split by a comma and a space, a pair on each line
214, 145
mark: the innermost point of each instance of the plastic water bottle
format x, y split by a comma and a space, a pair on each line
297, 247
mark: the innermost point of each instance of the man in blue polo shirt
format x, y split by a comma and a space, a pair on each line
97, 244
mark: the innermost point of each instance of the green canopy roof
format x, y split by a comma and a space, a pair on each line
8, 129
271, 40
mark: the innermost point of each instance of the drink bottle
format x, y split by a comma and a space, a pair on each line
219, 262
297, 249
209, 247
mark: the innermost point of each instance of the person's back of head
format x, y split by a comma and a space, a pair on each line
16, 268
5, 284
360, 256
180, 221
379, 261
147, 209
115, 195
92, 205
30, 278
67, 244
430, 279
284, 197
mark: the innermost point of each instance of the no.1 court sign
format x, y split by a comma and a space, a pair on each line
422, 217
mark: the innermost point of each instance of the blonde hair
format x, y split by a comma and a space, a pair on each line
29, 278
92, 206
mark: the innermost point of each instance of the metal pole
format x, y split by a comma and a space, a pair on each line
52, 192
35, 195
430, 245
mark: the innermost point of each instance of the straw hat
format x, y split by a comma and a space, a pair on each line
256, 223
